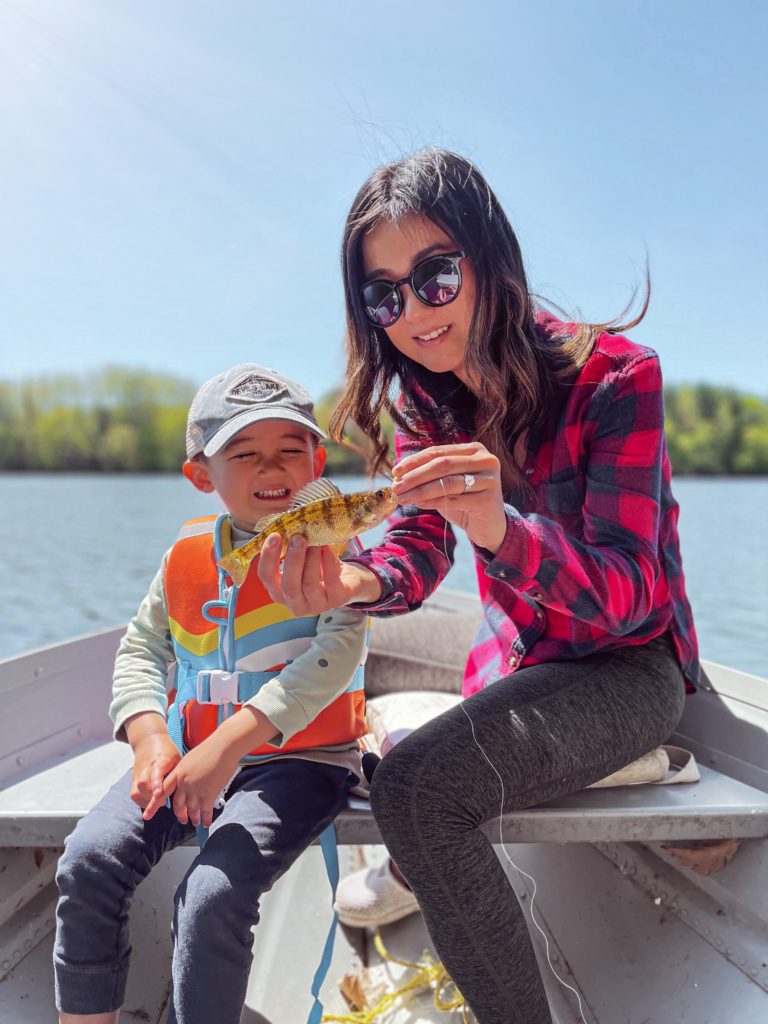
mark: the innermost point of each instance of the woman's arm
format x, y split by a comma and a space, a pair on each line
607, 578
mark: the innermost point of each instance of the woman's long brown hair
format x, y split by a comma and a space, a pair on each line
520, 366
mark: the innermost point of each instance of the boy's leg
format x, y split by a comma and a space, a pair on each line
110, 851
273, 813
548, 730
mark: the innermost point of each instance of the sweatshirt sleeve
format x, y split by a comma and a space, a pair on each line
310, 682
141, 665
290, 701
606, 577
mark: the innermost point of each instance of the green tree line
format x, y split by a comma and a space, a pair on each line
121, 420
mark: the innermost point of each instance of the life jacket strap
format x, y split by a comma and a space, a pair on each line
218, 687
331, 858
215, 686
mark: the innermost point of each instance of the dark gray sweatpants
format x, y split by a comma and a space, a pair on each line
272, 813
549, 730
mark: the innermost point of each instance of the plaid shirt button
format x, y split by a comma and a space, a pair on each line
502, 574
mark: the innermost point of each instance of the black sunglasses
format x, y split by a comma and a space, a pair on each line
436, 281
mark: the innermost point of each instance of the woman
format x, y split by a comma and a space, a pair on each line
544, 441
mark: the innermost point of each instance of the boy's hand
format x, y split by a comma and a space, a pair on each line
200, 775
154, 756
198, 779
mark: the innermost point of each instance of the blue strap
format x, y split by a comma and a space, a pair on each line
175, 727
331, 858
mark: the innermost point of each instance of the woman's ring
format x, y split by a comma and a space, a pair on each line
469, 482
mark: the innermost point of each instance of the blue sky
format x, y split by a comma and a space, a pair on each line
174, 177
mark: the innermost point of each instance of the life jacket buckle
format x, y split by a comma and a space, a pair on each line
218, 687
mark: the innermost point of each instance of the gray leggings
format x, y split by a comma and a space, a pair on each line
549, 730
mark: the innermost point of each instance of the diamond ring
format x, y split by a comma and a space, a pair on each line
469, 482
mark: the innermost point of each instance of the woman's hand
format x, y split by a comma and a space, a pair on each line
435, 478
312, 580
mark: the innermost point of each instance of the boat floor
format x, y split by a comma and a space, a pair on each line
626, 949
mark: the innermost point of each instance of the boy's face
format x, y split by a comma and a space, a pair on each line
260, 469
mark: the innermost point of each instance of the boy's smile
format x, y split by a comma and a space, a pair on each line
260, 469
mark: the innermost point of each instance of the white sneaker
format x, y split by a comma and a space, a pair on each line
372, 897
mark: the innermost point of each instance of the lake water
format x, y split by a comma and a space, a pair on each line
80, 551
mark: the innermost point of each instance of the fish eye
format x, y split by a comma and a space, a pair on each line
381, 493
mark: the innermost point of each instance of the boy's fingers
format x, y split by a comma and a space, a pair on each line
194, 812
179, 805
153, 806
143, 787
157, 779
169, 784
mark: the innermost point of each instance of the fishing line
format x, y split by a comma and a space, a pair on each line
445, 522
501, 809
519, 869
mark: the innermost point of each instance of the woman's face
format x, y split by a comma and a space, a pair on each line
434, 336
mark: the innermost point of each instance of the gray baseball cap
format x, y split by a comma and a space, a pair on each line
246, 394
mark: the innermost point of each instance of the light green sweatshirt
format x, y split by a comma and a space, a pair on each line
290, 701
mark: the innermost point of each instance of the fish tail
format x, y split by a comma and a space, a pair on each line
235, 567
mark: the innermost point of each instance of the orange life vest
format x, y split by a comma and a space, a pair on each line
230, 641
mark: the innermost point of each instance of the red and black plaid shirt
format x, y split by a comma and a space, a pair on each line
591, 558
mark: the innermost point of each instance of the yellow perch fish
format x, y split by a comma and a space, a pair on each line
320, 513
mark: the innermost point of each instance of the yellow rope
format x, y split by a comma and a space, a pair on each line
427, 974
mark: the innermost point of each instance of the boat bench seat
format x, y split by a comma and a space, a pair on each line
40, 807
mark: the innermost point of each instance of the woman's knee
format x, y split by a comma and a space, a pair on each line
415, 788
395, 781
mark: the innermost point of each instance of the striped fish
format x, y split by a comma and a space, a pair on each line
321, 514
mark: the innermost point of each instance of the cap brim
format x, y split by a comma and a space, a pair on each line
222, 438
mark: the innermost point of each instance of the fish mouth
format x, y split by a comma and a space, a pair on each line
273, 494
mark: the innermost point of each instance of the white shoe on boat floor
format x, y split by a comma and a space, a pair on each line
373, 897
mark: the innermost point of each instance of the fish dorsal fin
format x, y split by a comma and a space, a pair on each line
317, 490
266, 521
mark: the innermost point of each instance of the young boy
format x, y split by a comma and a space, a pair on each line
252, 682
